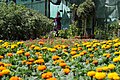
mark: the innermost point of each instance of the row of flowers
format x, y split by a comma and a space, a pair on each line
84, 60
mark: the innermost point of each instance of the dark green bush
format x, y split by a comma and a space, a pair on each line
20, 23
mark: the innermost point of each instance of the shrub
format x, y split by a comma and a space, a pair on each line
20, 23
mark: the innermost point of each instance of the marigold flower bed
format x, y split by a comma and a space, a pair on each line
60, 60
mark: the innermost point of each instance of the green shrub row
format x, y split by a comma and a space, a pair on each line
20, 23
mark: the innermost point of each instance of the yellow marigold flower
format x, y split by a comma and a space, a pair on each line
32, 46
115, 59
100, 75
113, 75
15, 78
66, 70
116, 77
20, 43
116, 52
53, 50
111, 66
105, 68
87, 61
105, 54
110, 75
1, 41
44, 48
88, 46
13, 46
74, 49
41, 67
75, 44
91, 73
77, 55
38, 53
20, 52
5, 71
73, 52
64, 46
51, 79
36, 48
40, 57
89, 49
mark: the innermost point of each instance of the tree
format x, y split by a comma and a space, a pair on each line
84, 11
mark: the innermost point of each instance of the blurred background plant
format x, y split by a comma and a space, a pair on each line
20, 23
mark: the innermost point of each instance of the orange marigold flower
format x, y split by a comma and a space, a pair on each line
1, 64
66, 71
1, 74
51, 79
79, 48
41, 43
27, 54
85, 52
39, 61
31, 59
6, 65
99, 69
95, 62
28, 63
55, 57
1, 57
15, 78
91, 55
47, 75
9, 54
62, 64
81, 53
41, 67
2, 68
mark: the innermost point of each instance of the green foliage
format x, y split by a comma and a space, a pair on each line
20, 23
109, 31
72, 31
86, 9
